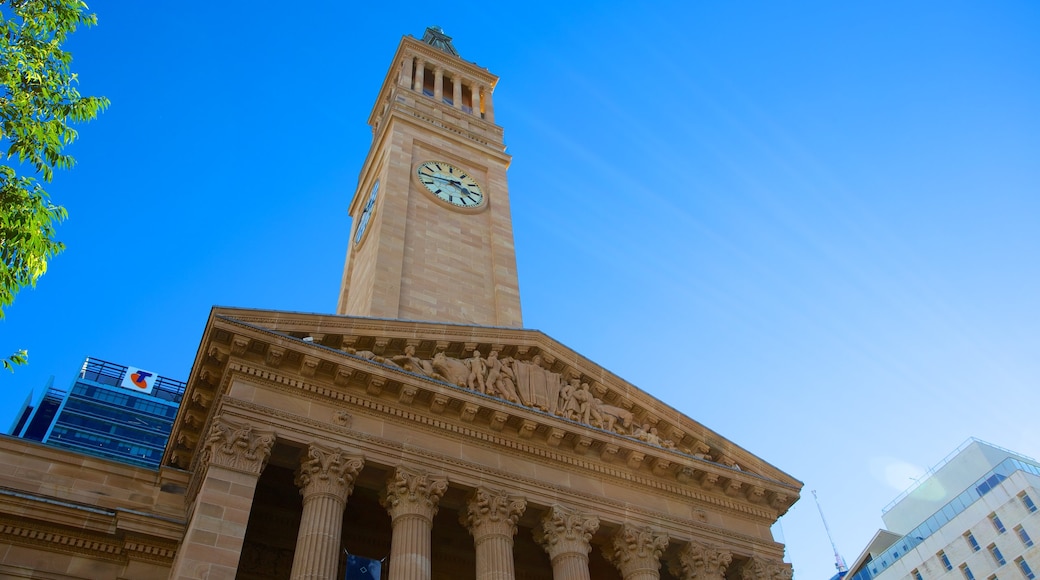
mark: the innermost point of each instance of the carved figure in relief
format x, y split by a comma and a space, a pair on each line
367, 355
498, 381
568, 406
477, 370
411, 363
536, 386
609, 416
450, 370
584, 398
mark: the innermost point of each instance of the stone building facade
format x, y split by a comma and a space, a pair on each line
422, 425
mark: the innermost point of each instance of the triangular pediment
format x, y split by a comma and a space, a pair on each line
536, 393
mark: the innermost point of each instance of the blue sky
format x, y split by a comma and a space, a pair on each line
811, 226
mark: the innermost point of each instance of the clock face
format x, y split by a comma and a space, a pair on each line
450, 184
366, 214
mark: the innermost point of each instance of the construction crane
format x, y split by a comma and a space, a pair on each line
839, 562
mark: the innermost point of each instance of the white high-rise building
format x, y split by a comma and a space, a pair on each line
973, 517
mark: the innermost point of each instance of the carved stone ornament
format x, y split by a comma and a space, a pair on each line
565, 531
238, 446
327, 471
636, 551
529, 383
411, 492
764, 569
701, 562
492, 512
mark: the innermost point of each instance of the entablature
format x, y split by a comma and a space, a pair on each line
513, 388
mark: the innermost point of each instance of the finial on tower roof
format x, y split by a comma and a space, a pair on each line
436, 38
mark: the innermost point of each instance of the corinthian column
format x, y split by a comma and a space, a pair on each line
326, 478
765, 569
233, 456
491, 517
565, 535
411, 498
701, 562
636, 552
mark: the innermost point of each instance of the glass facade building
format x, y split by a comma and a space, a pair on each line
938, 528
98, 416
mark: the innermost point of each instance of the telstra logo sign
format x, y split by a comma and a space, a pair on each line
138, 380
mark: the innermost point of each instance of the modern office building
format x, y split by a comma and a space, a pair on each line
421, 425
973, 517
110, 411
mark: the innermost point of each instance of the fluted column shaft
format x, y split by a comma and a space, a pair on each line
326, 478
636, 551
491, 517
565, 535
411, 498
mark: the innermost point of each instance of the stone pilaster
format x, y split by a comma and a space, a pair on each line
701, 562
491, 517
411, 497
565, 534
765, 569
325, 478
636, 551
233, 456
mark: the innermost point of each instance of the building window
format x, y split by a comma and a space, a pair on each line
1027, 501
995, 551
968, 537
967, 572
1022, 535
916, 574
997, 523
1026, 570
945, 561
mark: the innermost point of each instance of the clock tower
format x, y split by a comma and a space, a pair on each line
432, 236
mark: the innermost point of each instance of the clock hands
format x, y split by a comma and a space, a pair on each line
455, 183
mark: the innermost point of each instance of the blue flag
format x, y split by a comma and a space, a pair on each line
359, 568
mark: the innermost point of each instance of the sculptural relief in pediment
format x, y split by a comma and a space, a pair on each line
528, 383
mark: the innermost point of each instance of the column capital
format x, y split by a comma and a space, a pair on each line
410, 492
699, 561
327, 471
238, 446
566, 531
636, 551
492, 512
765, 569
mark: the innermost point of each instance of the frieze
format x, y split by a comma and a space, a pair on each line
527, 383
604, 466
698, 526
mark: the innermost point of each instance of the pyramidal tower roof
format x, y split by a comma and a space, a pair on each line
436, 38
